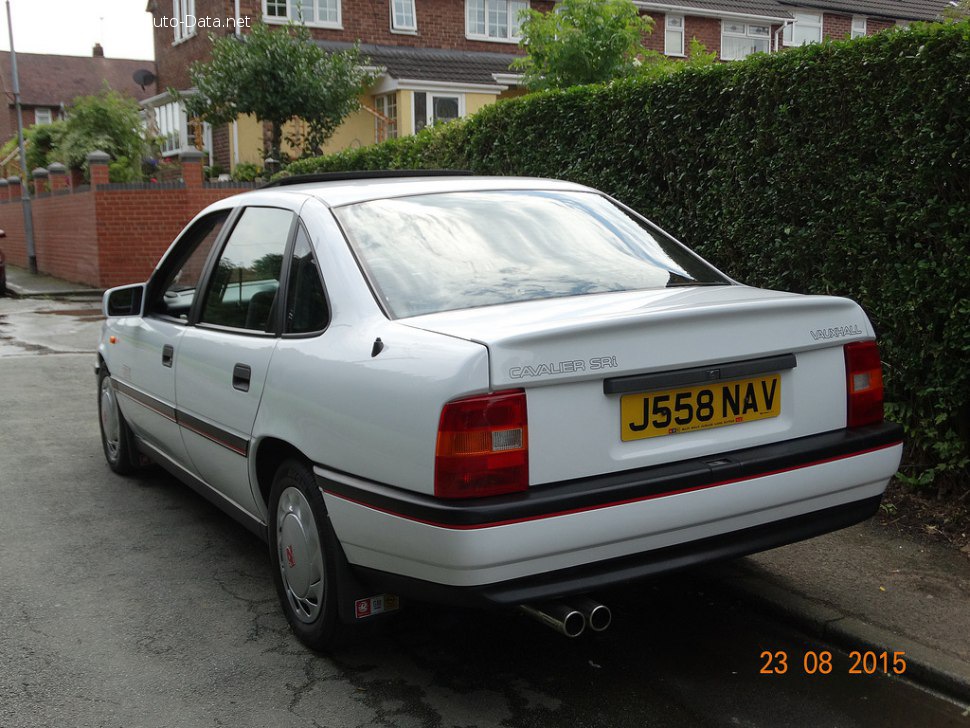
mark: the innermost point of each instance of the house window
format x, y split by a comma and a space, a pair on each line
674, 35
183, 19
496, 20
435, 108
386, 105
806, 29
172, 127
740, 40
403, 17
43, 116
172, 130
319, 13
858, 27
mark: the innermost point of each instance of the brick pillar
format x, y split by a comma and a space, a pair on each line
41, 177
191, 167
4, 191
98, 167
15, 190
58, 177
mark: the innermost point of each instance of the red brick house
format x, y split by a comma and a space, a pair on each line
444, 59
49, 83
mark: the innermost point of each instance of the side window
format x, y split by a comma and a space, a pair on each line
180, 282
306, 302
243, 287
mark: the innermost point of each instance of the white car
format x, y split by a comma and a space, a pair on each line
484, 391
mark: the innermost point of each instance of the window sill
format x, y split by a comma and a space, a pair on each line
486, 39
676, 55
271, 20
184, 39
404, 31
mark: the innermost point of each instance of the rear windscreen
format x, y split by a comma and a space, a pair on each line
441, 252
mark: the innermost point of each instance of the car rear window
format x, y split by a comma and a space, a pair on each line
441, 252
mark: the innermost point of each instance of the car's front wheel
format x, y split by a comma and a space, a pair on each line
303, 550
116, 437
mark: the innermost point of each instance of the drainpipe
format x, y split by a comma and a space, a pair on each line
238, 21
778, 33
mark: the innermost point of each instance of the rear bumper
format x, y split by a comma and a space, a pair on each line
590, 533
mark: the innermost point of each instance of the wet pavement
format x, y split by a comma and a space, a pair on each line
133, 602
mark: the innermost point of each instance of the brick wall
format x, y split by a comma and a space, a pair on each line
441, 24
706, 30
836, 27
876, 25
105, 236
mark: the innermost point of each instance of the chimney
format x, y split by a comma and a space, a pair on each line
98, 51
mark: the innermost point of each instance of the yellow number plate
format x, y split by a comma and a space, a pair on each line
666, 412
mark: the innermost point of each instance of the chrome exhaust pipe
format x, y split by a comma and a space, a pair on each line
562, 618
598, 616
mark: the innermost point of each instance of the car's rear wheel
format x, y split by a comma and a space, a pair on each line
116, 436
303, 551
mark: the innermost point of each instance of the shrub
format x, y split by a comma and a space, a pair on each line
838, 168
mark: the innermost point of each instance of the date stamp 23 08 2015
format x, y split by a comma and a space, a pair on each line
822, 662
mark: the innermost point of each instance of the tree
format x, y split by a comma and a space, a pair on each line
109, 122
278, 76
582, 41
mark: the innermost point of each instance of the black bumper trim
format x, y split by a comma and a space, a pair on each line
614, 488
698, 375
606, 574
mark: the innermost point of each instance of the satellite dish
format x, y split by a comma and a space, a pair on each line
143, 77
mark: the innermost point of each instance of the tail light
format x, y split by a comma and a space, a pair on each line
483, 446
863, 371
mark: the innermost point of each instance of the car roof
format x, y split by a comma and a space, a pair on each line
338, 192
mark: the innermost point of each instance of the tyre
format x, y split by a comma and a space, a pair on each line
116, 437
303, 555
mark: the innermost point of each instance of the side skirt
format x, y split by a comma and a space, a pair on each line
205, 490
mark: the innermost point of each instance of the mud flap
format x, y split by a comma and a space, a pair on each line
357, 603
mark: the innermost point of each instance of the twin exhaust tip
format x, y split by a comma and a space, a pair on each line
573, 618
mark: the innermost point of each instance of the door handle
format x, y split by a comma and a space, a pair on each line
168, 352
241, 374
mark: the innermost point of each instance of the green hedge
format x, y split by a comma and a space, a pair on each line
839, 168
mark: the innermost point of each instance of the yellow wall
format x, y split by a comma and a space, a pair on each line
405, 122
356, 131
474, 102
250, 134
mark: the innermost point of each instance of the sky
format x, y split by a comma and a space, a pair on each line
72, 27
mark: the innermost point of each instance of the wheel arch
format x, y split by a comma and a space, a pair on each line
271, 452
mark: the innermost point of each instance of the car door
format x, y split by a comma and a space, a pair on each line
224, 357
146, 348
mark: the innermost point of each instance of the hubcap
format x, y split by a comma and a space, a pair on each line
110, 419
300, 555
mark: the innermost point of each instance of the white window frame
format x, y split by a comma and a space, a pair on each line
182, 10
294, 14
674, 49
43, 115
432, 94
381, 104
748, 33
172, 125
511, 16
860, 27
789, 33
409, 6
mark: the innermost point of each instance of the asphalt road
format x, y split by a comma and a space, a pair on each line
133, 602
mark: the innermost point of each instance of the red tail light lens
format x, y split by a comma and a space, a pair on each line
863, 370
483, 446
